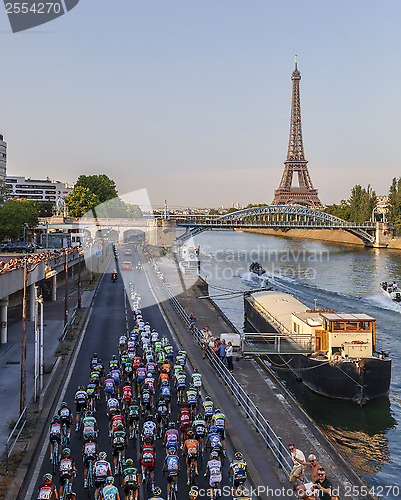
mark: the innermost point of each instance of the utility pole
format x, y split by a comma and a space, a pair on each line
22, 402
66, 288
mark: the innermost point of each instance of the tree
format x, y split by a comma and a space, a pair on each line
394, 203
342, 210
358, 208
15, 216
134, 211
100, 185
44, 208
80, 200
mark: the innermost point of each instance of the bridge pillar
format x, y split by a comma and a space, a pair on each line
383, 235
32, 299
161, 232
54, 287
3, 319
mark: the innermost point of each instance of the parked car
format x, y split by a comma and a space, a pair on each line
18, 247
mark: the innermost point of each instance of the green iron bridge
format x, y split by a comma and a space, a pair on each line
282, 217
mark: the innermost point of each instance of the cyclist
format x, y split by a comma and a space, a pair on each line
94, 360
156, 494
162, 414
113, 362
95, 376
110, 492
151, 368
48, 489
191, 451
172, 467
242, 494
207, 408
147, 457
238, 471
90, 427
91, 392
81, 399
67, 470
213, 440
127, 367
136, 361
56, 433
197, 381
164, 341
119, 443
219, 421
191, 398
140, 376
112, 406
213, 469
130, 479
134, 415
127, 396
166, 392
101, 470
149, 428
115, 420
146, 400
169, 352
185, 423
116, 375
199, 428
166, 367
180, 359
109, 386
171, 437
193, 494
180, 382
163, 377
89, 454
65, 418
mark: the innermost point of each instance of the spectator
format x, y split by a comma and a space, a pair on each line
314, 465
205, 340
229, 356
192, 318
298, 469
222, 351
323, 485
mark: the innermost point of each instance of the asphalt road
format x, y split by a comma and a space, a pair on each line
109, 319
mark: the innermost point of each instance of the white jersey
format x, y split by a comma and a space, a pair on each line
113, 403
101, 468
155, 336
214, 467
197, 379
149, 428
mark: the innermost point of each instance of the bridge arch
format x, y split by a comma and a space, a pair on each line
277, 216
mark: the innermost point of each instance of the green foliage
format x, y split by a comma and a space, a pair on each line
116, 208
394, 203
44, 208
14, 216
358, 208
101, 186
80, 200
213, 211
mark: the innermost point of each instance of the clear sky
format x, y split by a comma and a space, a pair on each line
190, 99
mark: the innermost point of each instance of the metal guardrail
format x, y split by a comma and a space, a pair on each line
261, 424
67, 326
10, 445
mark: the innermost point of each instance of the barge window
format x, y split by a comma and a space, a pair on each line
338, 326
352, 325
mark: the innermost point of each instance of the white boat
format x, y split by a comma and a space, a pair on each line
391, 291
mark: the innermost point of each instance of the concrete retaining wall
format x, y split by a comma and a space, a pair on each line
334, 235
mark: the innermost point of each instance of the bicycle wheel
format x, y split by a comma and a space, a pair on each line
55, 457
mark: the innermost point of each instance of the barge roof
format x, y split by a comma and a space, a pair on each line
279, 305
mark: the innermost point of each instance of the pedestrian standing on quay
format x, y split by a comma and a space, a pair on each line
229, 356
205, 340
298, 469
222, 351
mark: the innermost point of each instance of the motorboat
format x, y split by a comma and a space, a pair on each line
391, 290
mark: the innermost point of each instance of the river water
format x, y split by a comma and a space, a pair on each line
345, 278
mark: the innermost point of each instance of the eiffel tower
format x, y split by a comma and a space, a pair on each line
304, 194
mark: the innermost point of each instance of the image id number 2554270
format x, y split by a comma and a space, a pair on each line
37, 8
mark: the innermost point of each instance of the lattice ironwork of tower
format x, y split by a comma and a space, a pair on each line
304, 193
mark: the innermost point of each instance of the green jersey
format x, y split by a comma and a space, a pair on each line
130, 475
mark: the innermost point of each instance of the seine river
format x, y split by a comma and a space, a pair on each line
341, 277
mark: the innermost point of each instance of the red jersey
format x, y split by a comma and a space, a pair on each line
136, 361
148, 455
115, 420
127, 393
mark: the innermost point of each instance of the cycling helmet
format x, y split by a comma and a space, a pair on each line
94, 355
214, 454
217, 410
191, 387
102, 455
193, 494
141, 364
149, 418
120, 427
81, 388
164, 382
208, 398
56, 418
89, 413
110, 480
148, 440
63, 405
195, 371
171, 425
66, 452
157, 491
124, 353
238, 455
95, 368
172, 451
47, 478
185, 410
190, 434
91, 381
134, 402
213, 428
129, 462
113, 357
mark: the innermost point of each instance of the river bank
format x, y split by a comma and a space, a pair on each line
332, 235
